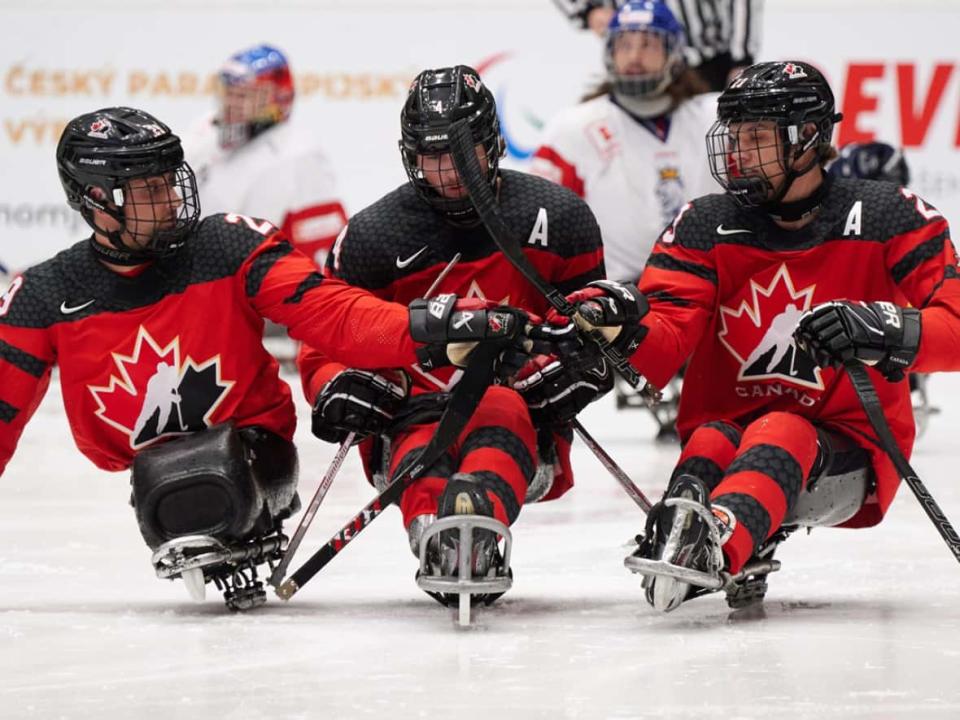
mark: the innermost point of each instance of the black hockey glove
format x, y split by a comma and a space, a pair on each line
451, 328
357, 401
613, 308
880, 334
556, 391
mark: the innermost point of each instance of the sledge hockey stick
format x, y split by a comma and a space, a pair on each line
481, 195
867, 394
277, 576
477, 377
610, 464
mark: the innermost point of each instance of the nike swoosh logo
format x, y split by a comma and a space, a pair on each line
70, 310
721, 230
403, 263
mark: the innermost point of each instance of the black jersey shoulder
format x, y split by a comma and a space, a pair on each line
885, 210
32, 299
75, 284
396, 235
572, 228
710, 220
400, 234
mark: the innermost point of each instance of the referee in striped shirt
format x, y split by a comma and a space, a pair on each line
723, 35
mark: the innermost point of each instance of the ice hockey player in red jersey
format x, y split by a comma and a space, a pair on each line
155, 323
768, 288
516, 447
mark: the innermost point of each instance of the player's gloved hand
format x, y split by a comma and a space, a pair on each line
451, 328
555, 391
357, 401
880, 334
612, 308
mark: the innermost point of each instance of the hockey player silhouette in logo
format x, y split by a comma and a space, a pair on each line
779, 339
761, 459
162, 392
205, 286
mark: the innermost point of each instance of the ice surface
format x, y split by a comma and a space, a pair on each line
859, 624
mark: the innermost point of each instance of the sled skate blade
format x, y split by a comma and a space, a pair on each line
190, 552
464, 583
196, 584
662, 568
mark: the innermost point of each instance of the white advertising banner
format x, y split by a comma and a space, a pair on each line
895, 74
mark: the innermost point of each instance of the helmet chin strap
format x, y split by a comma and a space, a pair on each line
797, 209
118, 254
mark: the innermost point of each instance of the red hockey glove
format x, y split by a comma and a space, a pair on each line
613, 308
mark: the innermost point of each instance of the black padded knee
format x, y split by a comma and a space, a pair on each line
221, 482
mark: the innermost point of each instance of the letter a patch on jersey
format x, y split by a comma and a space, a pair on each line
758, 328
153, 394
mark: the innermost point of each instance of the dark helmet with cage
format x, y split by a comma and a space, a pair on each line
645, 22
255, 93
774, 124
871, 161
437, 99
129, 166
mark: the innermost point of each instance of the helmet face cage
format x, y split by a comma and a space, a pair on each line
255, 93
437, 99
155, 213
436, 180
129, 166
645, 23
769, 118
872, 161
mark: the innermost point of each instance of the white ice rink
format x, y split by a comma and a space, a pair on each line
859, 624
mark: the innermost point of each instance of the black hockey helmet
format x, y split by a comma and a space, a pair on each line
98, 156
792, 96
438, 98
871, 161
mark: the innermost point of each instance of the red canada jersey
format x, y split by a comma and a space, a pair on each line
727, 286
398, 246
177, 348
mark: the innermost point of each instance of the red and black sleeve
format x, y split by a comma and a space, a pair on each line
680, 282
345, 322
923, 263
26, 357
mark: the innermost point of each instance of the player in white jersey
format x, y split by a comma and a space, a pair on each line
634, 151
250, 160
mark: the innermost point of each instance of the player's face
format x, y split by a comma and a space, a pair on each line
150, 205
440, 172
756, 151
638, 53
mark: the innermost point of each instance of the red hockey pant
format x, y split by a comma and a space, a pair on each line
498, 447
755, 474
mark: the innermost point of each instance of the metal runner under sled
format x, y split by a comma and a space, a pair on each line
498, 579
231, 567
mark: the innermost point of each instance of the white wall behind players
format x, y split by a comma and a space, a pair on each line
895, 71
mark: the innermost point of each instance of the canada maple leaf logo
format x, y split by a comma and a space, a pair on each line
153, 394
759, 332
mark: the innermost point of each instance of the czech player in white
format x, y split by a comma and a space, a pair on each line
250, 159
634, 150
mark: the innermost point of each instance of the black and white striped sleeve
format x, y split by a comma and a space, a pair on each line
576, 11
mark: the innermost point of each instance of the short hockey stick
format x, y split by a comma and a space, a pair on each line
477, 377
867, 394
277, 576
610, 464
